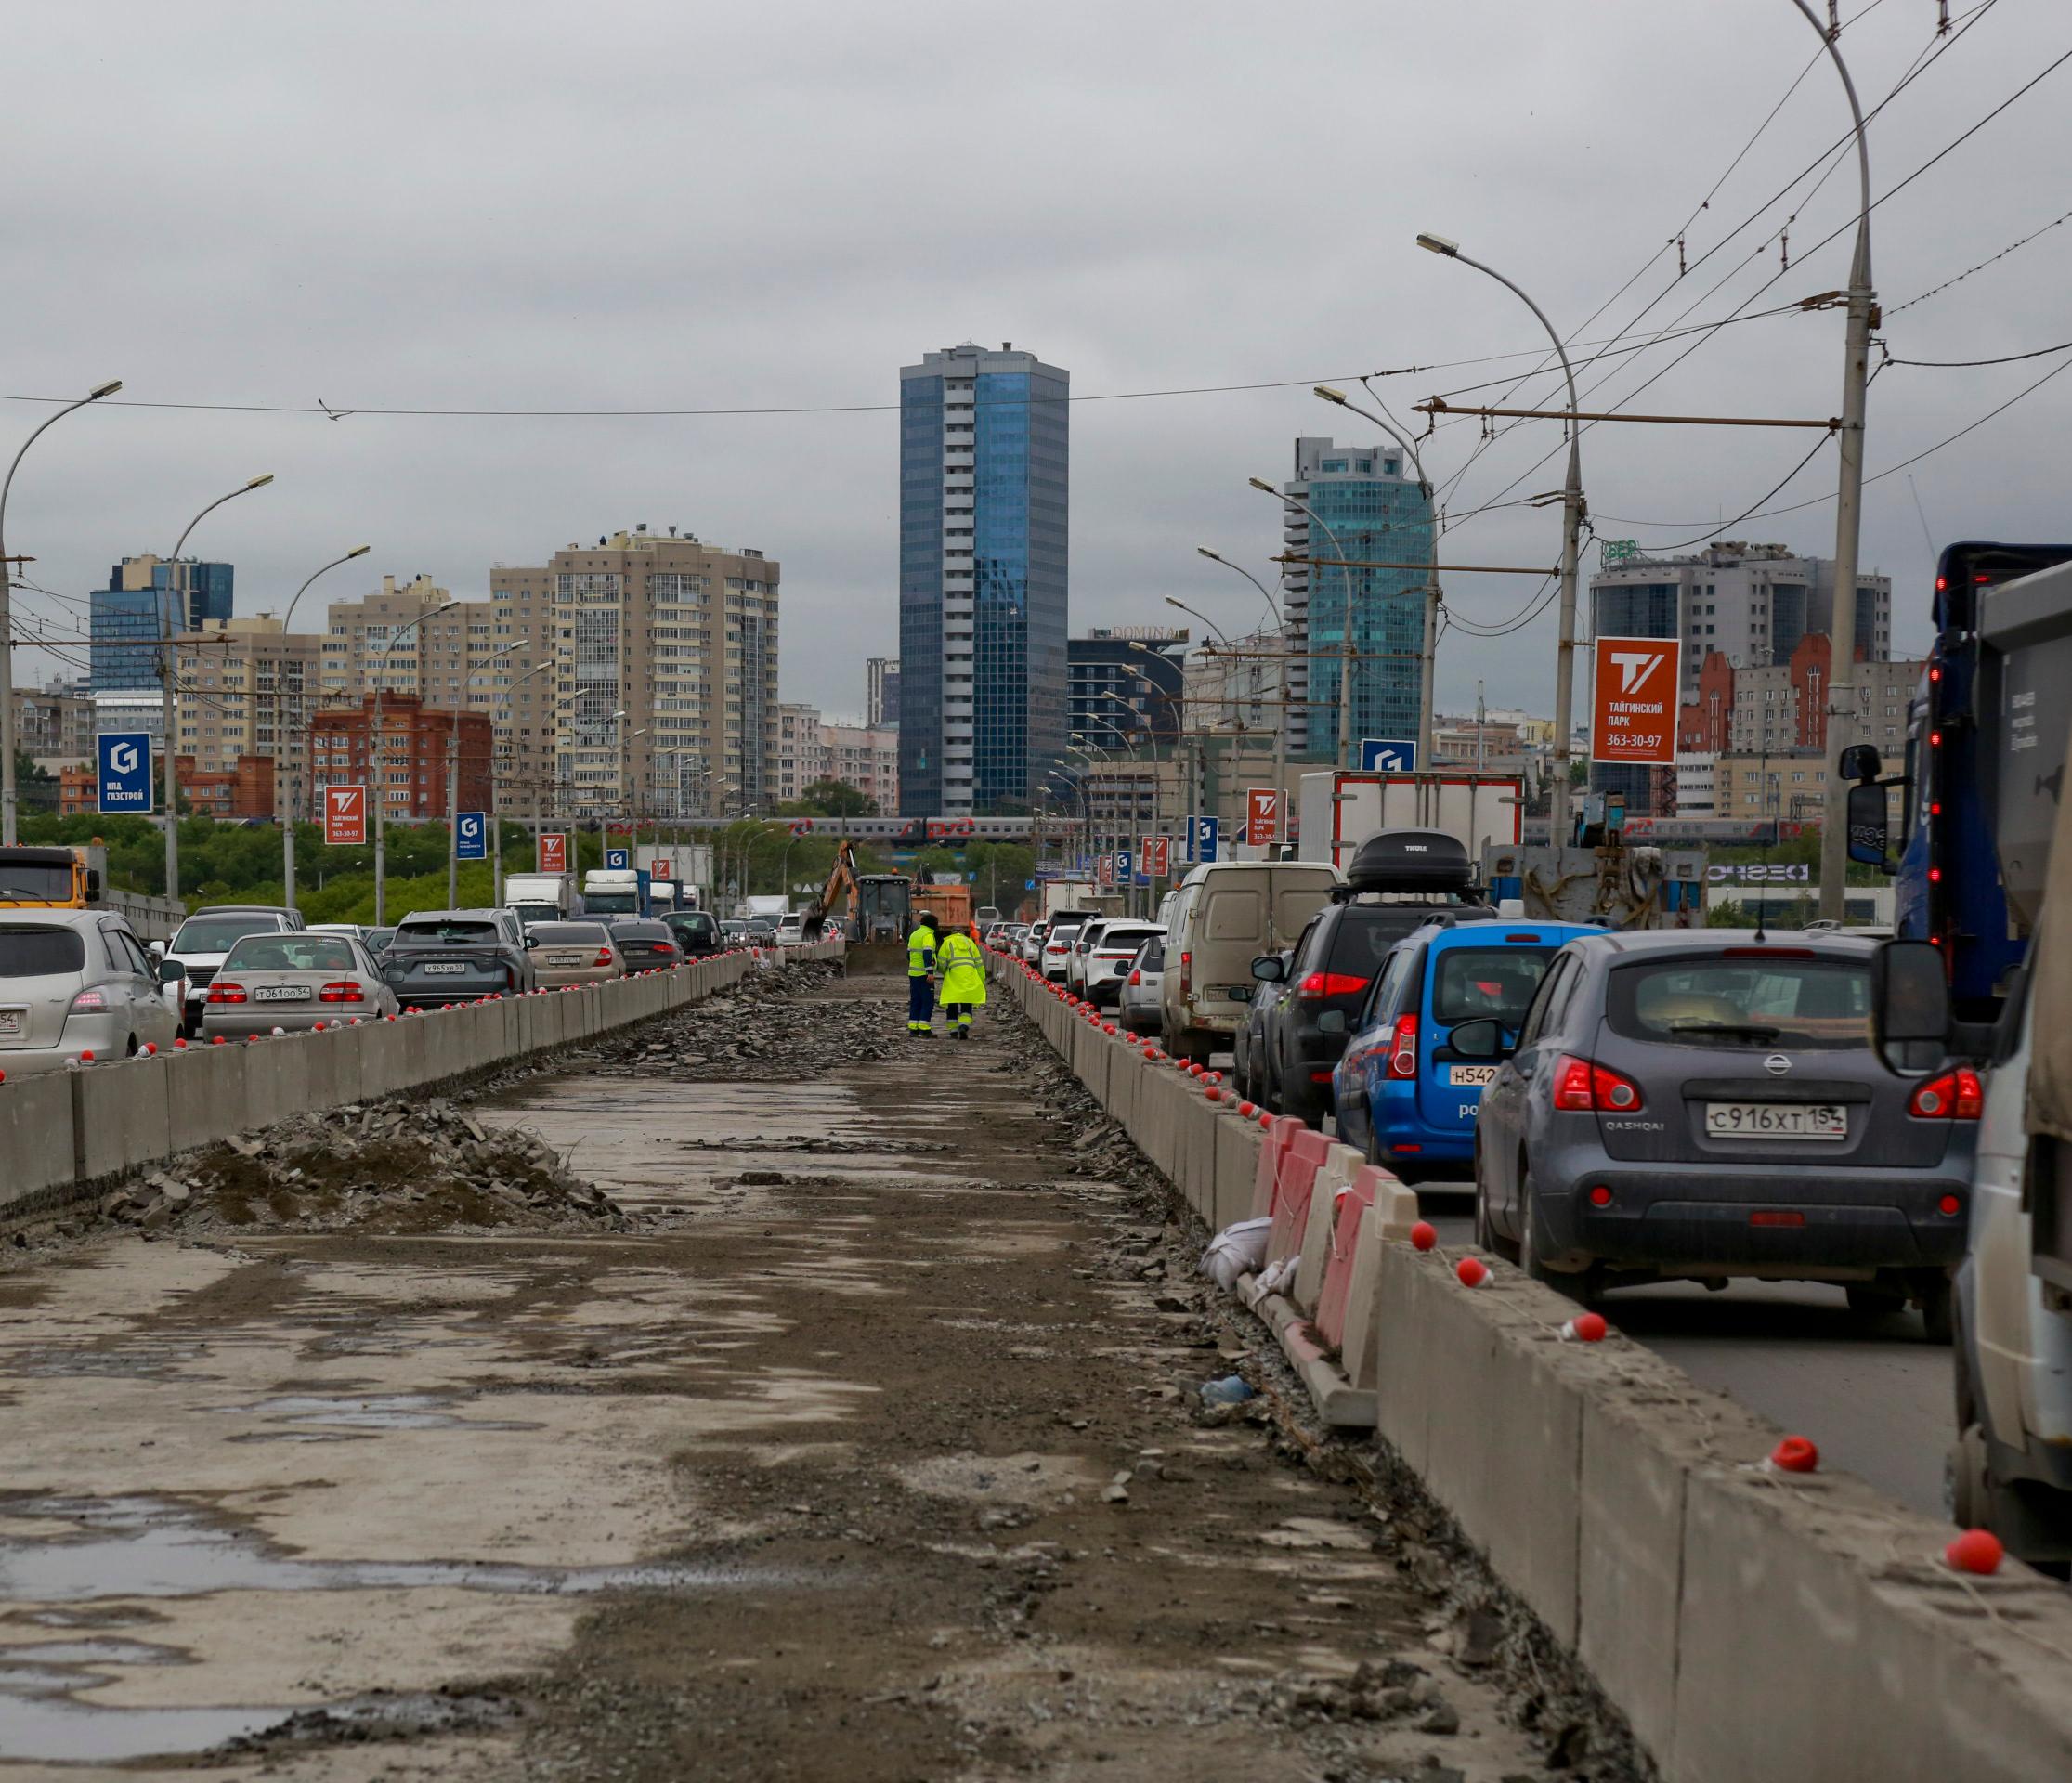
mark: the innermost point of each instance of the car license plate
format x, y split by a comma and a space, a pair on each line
1776, 1121
281, 994
446, 964
10, 1020
1470, 1076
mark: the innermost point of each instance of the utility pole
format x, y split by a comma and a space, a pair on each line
1848, 512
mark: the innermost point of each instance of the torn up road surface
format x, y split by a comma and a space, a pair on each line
866, 1445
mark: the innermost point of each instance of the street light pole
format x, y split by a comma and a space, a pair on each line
1280, 621
168, 664
1572, 511
10, 795
377, 753
287, 821
1849, 511
1428, 665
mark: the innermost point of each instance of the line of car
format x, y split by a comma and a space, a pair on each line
78, 984
1684, 1104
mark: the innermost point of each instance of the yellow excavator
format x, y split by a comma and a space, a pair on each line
876, 910
873, 909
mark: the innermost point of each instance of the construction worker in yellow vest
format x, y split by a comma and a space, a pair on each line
921, 977
962, 963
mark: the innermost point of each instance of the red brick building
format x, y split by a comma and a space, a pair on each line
1705, 724
411, 776
232, 795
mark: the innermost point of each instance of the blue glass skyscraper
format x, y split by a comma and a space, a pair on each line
983, 504
129, 614
1372, 511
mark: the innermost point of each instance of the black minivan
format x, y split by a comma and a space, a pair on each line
1399, 880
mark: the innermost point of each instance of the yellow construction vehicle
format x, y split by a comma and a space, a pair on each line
64, 878
875, 911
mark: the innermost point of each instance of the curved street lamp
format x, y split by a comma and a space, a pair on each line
7, 788
168, 664
286, 818
1280, 621
1572, 511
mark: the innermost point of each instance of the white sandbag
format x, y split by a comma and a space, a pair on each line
1235, 1251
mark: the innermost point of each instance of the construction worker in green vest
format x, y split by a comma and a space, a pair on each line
921, 977
963, 966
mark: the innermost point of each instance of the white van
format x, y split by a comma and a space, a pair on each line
1224, 915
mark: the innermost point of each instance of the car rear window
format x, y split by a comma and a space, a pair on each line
291, 953
696, 923
642, 931
215, 934
1363, 934
1475, 983
1115, 941
570, 934
1806, 1003
40, 953
446, 934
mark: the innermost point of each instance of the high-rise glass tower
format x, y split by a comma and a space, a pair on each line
1372, 512
983, 463
142, 595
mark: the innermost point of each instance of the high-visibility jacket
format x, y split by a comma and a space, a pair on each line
920, 950
963, 964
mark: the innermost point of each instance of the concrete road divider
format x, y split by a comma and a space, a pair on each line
1748, 1623
63, 1133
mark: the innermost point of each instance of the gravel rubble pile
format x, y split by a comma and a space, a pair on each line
385, 1168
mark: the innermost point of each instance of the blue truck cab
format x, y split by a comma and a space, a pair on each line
1402, 1097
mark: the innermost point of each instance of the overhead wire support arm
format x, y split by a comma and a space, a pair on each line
1440, 406
1458, 569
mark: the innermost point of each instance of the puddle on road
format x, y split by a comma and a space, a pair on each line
316, 1418
56, 1729
154, 1547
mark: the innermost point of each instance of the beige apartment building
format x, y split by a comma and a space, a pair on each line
802, 747
248, 688
665, 677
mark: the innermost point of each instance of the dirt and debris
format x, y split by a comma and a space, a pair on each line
393, 1166
924, 1429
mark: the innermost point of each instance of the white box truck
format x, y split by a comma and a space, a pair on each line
1339, 810
542, 897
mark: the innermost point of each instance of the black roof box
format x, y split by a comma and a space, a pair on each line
1410, 860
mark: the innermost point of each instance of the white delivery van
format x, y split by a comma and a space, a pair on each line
1226, 915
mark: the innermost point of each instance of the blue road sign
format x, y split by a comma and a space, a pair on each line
123, 771
619, 857
471, 836
1208, 837
1387, 755
1123, 865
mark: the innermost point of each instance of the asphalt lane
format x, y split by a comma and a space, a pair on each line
1871, 1393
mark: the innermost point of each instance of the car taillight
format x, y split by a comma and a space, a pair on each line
604, 956
343, 990
665, 946
1581, 1086
1403, 1048
1955, 1096
1186, 974
1137, 978
218, 993
1330, 985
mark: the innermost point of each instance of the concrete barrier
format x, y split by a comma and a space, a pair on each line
1748, 1624
62, 1130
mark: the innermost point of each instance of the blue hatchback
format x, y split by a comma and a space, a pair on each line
1402, 1097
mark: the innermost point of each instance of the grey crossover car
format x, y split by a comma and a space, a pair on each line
439, 957
1703, 1105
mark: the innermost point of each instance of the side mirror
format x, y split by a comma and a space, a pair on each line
531, 941
1867, 816
155, 948
170, 971
93, 885
1481, 1040
1861, 761
1910, 1005
1268, 970
1332, 1022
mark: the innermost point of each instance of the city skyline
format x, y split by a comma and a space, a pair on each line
1126, 221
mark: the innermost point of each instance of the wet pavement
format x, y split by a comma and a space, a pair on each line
866, 1452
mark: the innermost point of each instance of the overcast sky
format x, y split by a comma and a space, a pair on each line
692, 206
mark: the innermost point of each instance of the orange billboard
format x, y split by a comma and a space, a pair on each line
1634, 695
